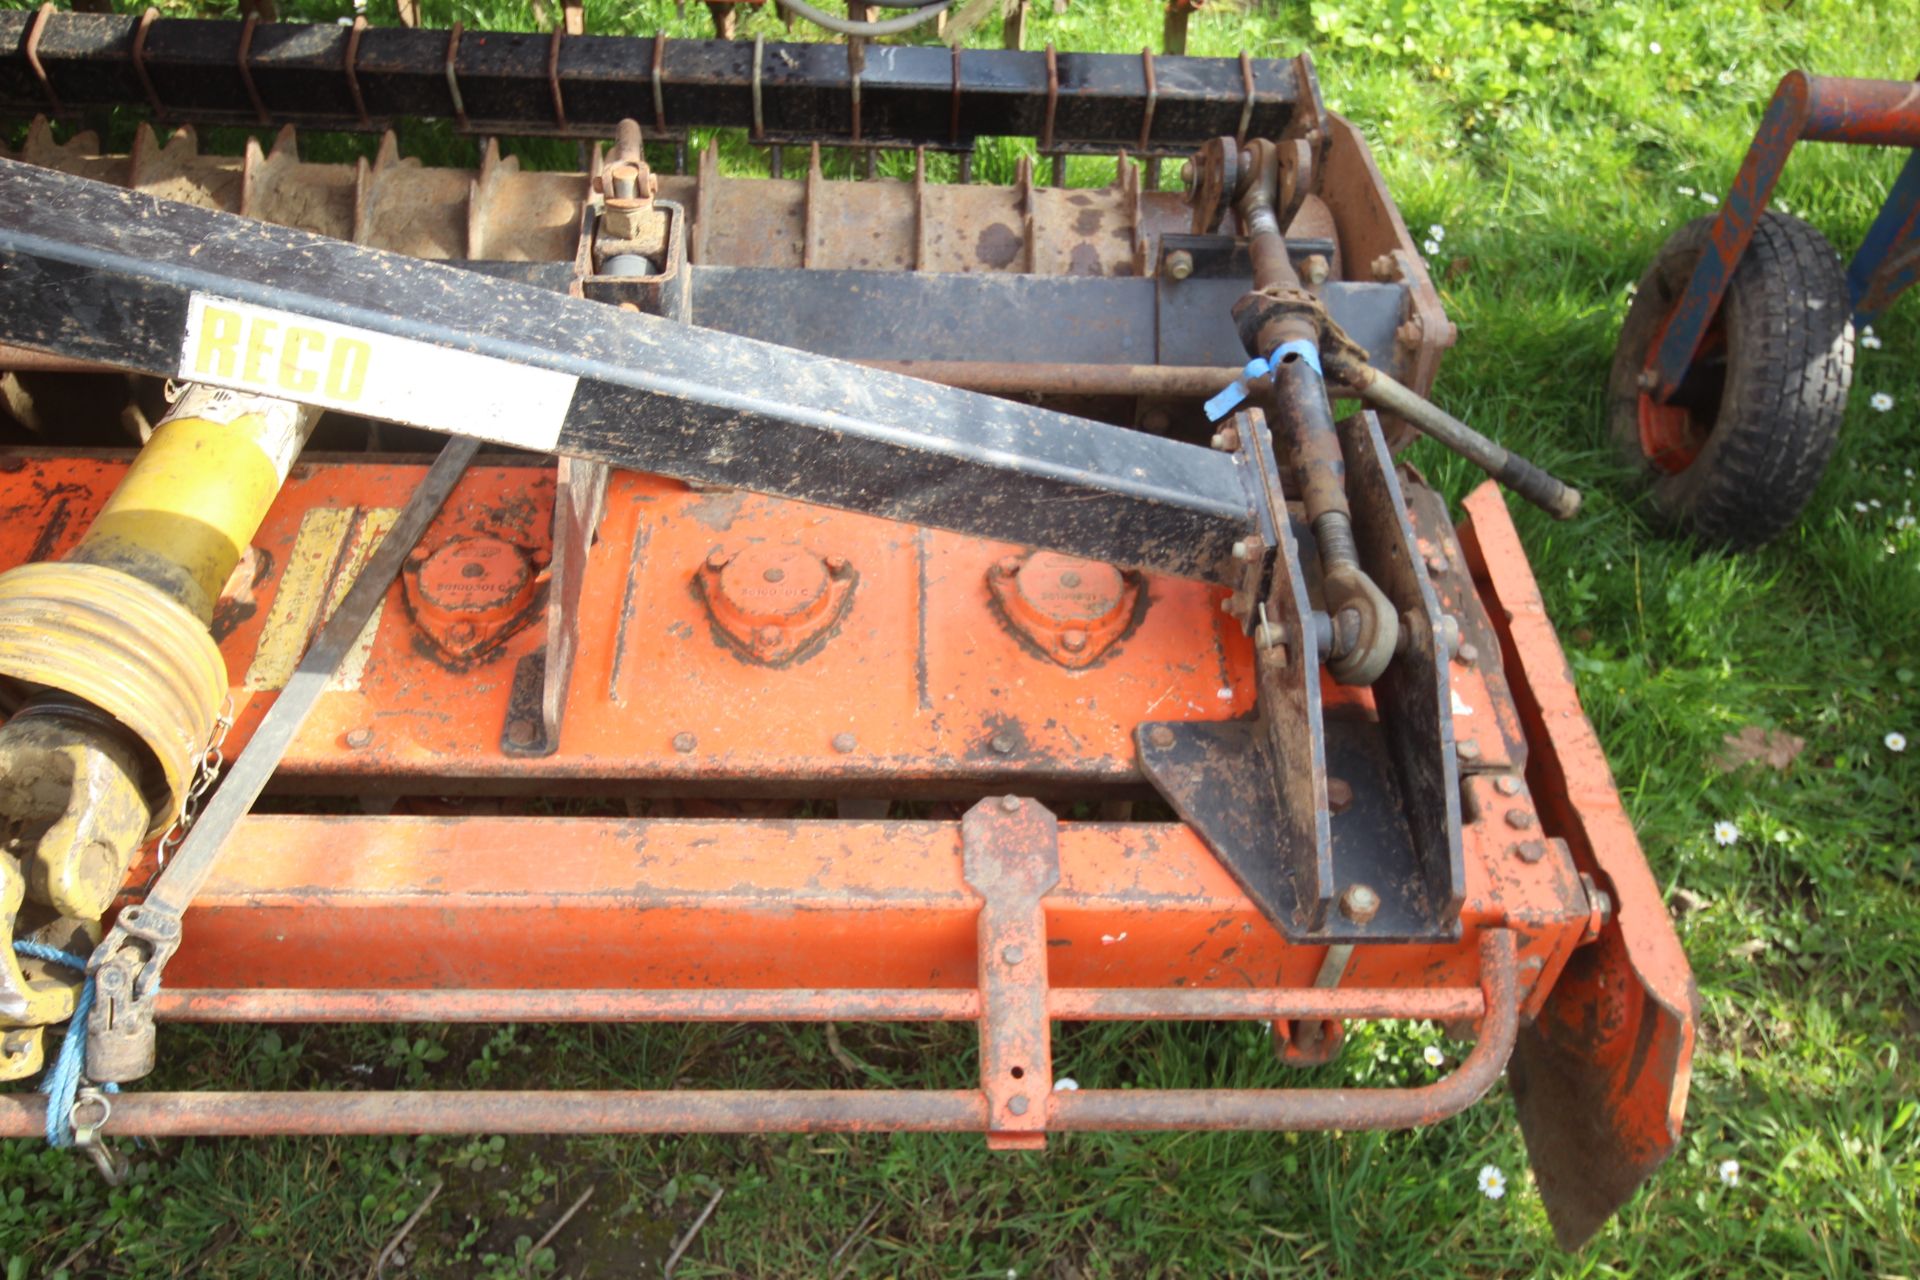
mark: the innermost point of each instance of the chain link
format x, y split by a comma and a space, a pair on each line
205, 774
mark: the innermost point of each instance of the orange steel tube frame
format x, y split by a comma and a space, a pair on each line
824, 1111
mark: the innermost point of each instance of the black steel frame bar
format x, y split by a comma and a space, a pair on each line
364, 77
93, 272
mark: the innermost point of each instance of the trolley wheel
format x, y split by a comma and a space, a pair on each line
1738, 452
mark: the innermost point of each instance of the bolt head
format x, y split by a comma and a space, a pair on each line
1009, 804
1073, 641
1360, 904
684, 742
1186, 173
1648, 379
1507, 785
1438, 564
844, 742
1179, 265
1468, 749
1243, 549
1018, 1104
1469, 653
520, 733
1530, 851
1160, 736
1013, 955
1520, 819
1002, 744
1339, 794
358, 738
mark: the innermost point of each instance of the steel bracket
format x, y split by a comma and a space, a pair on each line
1011, 850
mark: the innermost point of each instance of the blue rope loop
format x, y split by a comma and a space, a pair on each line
61, 1083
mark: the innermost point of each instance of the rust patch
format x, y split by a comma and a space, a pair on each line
1088, 222
719, 509
998, 245
1084, 261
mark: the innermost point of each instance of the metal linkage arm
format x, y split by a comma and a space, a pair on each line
96, 273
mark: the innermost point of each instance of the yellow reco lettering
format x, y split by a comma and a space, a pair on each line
347, 368
219, 342
293, 375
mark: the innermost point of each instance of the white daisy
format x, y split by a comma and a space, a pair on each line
1688, 191
1430, 247
1903, 522
1653, 46
1870, 342
1729, 1173
1433, 1055
1861, 507
1725, 833
1896, 742
1709, 198
1881, 401
1493, 1183
1437, 231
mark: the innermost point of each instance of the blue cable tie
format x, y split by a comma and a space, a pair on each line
62, 1081
1308, 351
1234, 394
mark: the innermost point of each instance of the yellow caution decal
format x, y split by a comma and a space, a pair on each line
376, 375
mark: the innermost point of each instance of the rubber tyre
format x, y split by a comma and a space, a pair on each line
1769, 398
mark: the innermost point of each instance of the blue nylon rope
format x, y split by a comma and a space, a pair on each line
62, 1080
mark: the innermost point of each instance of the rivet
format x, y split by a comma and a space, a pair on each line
1073, 641
844, 742
1010, 804
1360, 904
358, 738
684, 742
1002, 744
1507, 785
1018, 1104
520, 732
1469, 750
1437, 564
1013, 955
1519, 819
1530, 851
1339, 795
1160, 736
1468, 653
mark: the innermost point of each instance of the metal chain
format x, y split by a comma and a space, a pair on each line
205, 774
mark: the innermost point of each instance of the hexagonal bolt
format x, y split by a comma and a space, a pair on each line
1178, 265
1520, 819
1386, 268
1315, 268
1530, 851
1360, 904
1507, 785
1339, 795
1227, 440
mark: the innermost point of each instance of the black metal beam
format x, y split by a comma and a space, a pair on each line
507, 82
96, 273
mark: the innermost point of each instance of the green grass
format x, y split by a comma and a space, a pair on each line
1552, 144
